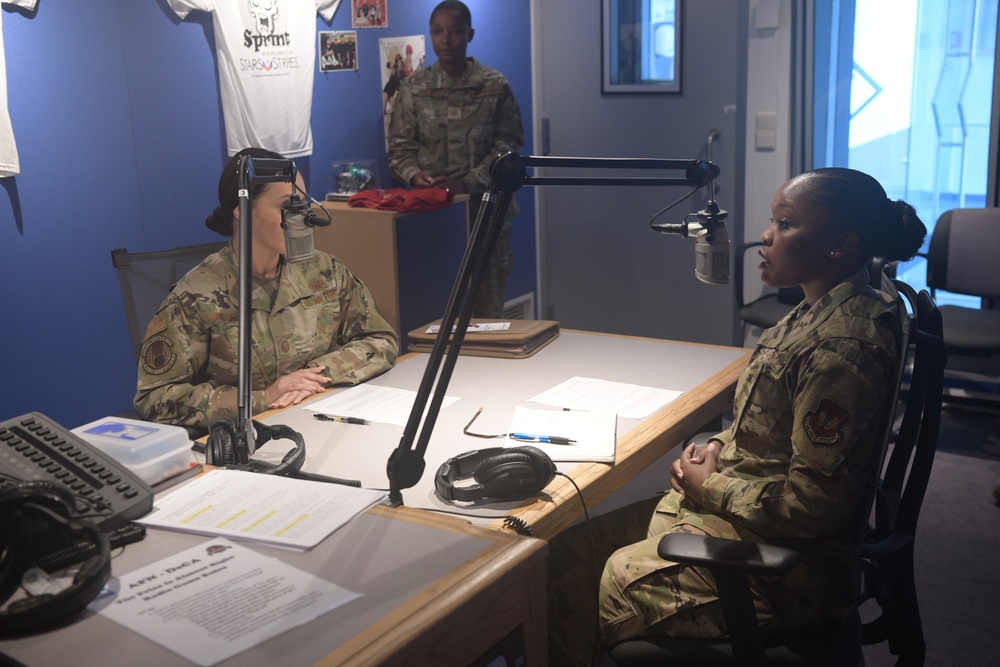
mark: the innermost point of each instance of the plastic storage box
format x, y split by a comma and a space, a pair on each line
152, 451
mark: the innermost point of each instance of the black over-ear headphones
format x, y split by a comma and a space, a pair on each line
512, 473
226, 448
36, 517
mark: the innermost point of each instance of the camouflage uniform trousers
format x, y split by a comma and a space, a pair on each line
574, 560
493, 293
641, 594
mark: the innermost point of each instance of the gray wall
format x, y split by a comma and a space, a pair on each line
601, 268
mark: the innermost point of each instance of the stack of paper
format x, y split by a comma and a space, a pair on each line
591, 434
267, 509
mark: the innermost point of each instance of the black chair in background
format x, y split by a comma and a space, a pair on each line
883, 555
146, 278
767, 310
962, 258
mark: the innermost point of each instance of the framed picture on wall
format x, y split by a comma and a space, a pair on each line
641, 42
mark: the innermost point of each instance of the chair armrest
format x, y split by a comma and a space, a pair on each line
716, 553
892, 543
731, 562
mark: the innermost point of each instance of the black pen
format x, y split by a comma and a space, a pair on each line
335, 418
548, 439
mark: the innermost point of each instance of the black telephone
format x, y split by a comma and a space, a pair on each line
34, 448
60, 497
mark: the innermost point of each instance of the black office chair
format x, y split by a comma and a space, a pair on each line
887, 553
962, 258
146, 278
882, 552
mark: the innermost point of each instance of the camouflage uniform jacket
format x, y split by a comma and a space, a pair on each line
808, 426
322, 315
455, 127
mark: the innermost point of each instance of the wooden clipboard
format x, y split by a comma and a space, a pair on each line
522, 339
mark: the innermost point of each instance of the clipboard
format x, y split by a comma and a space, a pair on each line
520, 340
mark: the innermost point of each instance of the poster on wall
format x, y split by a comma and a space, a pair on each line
369, 13
401, 57
338, 50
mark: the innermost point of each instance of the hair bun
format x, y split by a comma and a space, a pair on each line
218, 223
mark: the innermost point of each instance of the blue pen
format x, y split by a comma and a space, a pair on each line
548, 439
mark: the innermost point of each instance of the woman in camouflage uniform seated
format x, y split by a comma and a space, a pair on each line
314, 323
809, 416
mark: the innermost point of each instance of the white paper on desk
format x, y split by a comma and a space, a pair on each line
268, 509
372, 402
627, 400
217, 599
594, 431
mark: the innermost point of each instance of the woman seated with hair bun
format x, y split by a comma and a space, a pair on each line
314, 323
810, 414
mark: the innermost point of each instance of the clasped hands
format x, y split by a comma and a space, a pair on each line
695, 464
297, 386
423, 179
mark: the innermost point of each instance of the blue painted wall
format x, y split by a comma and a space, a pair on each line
117, 118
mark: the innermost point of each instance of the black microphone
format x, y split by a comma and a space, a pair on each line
298, 220
711, 247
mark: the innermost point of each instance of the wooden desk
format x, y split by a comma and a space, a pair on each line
706, 374
408, 260
436, 591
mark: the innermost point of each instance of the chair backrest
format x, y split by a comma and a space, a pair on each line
900, 293
962, 256
907, 471
146, 278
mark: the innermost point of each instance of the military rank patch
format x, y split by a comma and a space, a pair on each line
158, 355
317, 284
823, 424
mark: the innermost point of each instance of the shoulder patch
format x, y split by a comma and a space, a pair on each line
157, 356
823, 425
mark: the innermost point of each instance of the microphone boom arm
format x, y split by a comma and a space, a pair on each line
278, 171
508, 174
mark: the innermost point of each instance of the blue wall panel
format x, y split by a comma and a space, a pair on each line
118, 122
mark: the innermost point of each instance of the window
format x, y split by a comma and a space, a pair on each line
903, 90
641, 46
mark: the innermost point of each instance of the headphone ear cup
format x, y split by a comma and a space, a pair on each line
519, 472
544, 467
220, 449
26, 526
26, 521
35, 513
295, 458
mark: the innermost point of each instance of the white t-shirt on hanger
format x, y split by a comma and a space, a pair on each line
10, 165
265, 50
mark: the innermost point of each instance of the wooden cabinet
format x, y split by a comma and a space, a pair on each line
408, 260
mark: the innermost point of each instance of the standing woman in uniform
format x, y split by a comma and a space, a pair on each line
450, 123
315, 324
810, 413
